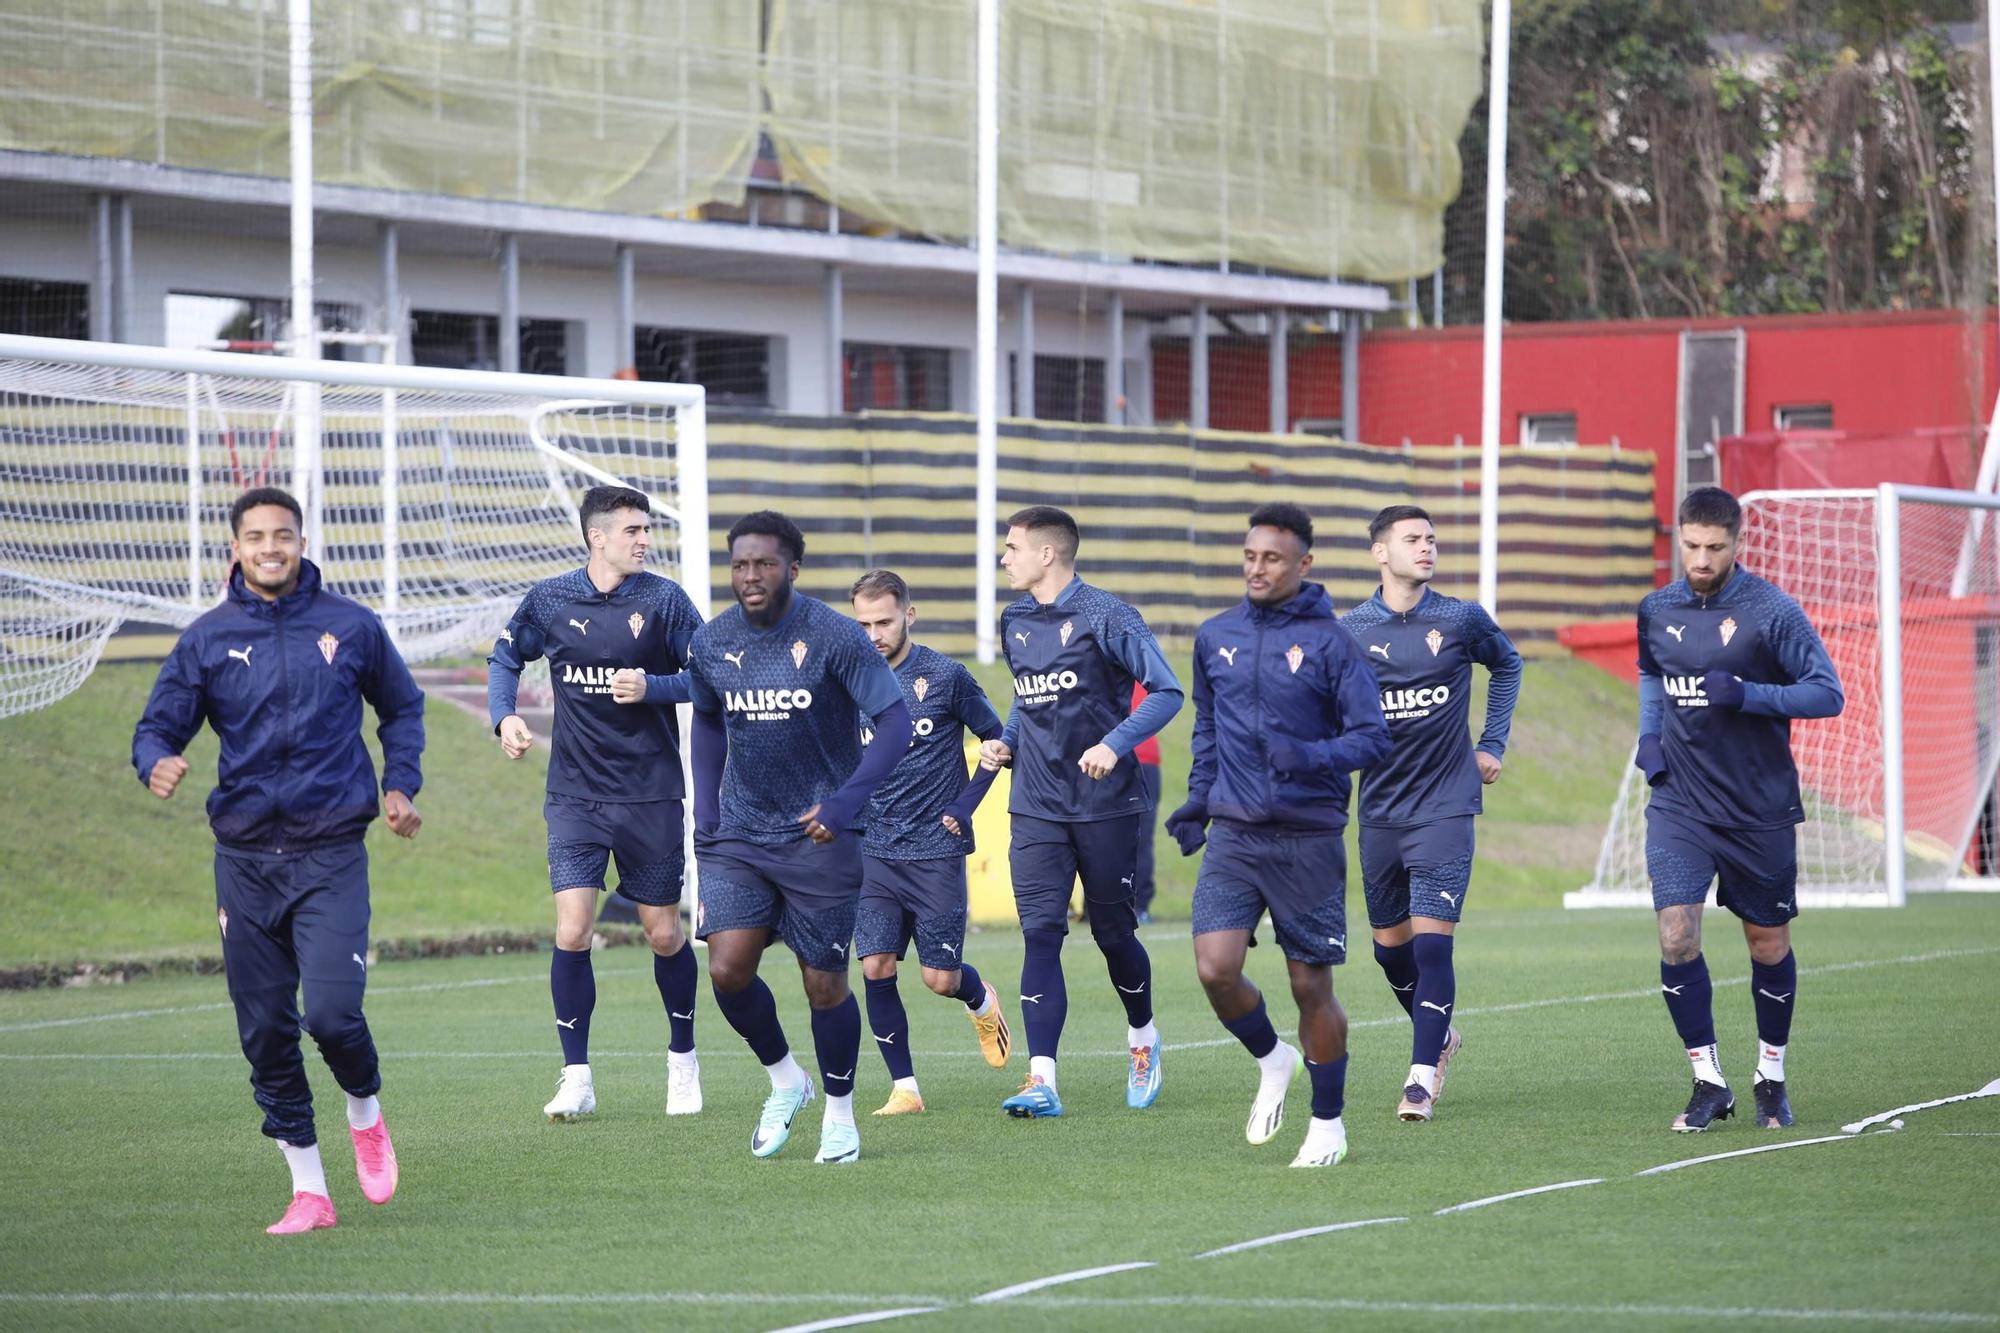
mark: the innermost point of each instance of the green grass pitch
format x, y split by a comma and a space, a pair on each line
137, 1184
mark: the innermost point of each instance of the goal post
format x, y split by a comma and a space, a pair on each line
1903, 585
446, 494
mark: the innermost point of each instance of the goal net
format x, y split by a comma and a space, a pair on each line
435, 497
1903, 585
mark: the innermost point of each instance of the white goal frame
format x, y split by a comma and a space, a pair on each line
1889, 498
556, 392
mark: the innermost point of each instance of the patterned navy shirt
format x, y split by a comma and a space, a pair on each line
602, 750
1423, 663
1731, 767
788, 696
905, 820
1074, 662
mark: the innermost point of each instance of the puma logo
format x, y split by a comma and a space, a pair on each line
1340, 942
1393, 986
359, 959
1677, 631
1779, 998
1451, 898
834, 1078
840, 950
1033, 999
734, 659
689, 1015
1785, 906
582, 626
570, 1024
1381, 648
889, 1040
1672, 990
1227, 654
1444, 1009
506, 635
951, 949
242, 654
1022, 635
1132, 990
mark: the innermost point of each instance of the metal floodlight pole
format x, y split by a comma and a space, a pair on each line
986, 350
1489, 388
306, 469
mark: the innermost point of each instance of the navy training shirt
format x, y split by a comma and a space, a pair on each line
602, 750
1732, 768
1423, 662
788, 696
1073, 663
905, 819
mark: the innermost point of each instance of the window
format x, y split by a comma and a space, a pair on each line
1548, 430
41, 309
1067, 388
453, 340
1803, 416
196, 319
735, 368
880, 375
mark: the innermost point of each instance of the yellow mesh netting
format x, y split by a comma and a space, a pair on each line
1319, 138
640, 106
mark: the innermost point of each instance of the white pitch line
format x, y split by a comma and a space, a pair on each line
1744, 1152
1990, 1090
1679, 1313
1549, 1002
1300, 1234
850, 1320
1517, 1194
1023, 1288
449, 1298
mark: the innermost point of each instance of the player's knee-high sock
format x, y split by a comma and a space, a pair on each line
837, 1044
971, 987
1254, 1030
1772, 987
889, 1024
678, 978
1689, 997
573, 986
753, 1013
1399, 964
1131, 972
1044, 997
1436, 993
1329, 1085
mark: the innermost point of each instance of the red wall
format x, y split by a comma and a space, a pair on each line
1883, 373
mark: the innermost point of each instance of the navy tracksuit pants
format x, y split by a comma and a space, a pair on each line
287, 919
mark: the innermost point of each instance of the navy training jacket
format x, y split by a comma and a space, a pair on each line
282, 685
1291, 671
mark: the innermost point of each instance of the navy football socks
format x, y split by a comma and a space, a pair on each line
1254, 1030
837, 1044
1329, 1085
753, 1013
971, 986
1436, 993
889, 1023
573, 987
1044, 997
1772, 986
677, 977
1399, 964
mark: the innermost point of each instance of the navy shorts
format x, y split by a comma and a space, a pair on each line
644, 836
803, 891
1420, 871
1756, 870
1300, 875
1047, 856
905, 899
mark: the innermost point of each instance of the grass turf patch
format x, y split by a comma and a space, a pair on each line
135, 1167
